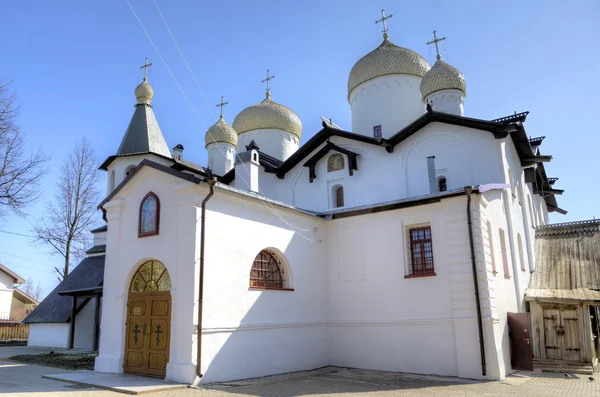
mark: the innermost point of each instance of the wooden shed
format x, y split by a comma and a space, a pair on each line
564, 295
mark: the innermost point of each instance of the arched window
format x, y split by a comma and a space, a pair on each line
149, 216
267, 271
128, 170
337, 193
335, 162
152, 276
442, 187
521, 256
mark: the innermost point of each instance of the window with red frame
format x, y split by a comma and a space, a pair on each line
149, 217
421, 251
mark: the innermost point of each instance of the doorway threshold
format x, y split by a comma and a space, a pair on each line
120, 383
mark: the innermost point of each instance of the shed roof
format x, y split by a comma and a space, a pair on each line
567, 262
56, 308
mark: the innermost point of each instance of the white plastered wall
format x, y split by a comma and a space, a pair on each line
276, 143
48, 335
391, 101
237, 321
460, 153
6, 294
84, 326
382, 320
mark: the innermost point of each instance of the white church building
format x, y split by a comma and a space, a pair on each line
400, 245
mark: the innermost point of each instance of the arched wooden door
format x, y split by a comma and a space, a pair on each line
148, 321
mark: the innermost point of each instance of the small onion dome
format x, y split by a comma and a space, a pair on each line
144, 93
221, 132
386, 59
268, 115
442, 76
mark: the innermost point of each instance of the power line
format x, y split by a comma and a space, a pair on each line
198, 116
267, 204
27, 259
17, 234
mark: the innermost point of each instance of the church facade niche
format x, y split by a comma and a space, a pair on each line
335, 162
149, 218
337, 196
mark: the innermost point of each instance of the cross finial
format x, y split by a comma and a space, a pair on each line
145, 66
222, 104
436, 41
268, 85
383, 19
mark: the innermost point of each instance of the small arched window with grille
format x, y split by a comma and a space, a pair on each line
267, 271
442, 186
335, 162
149, 218
337, 193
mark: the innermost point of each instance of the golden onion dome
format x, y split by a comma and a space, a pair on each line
221, 132
386, 59
144, 92
268, 115
442, 76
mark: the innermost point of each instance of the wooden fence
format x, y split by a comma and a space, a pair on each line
12, 329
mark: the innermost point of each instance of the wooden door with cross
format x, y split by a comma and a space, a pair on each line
147, 334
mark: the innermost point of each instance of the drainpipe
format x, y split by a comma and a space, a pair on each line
469, 190
211, 184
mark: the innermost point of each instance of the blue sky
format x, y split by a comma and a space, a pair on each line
74, 66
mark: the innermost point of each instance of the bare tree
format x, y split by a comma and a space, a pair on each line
66, 221
20, 174
33, 289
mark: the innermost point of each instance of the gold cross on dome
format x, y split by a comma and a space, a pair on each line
267, 81
145, 66
436, 41
383, 19
222, 104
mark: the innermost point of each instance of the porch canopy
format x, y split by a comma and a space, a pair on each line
88, 293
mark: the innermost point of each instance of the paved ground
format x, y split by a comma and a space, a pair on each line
18, 380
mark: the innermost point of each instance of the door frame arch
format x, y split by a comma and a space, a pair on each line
148, 312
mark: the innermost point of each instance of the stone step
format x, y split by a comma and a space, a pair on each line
566, 368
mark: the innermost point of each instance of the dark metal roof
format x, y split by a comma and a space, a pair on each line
151, 164
567, 257
143, 136
17, 279
536, 141
513, 117
96, 249
56, 308
100, 229
186, 165
86, 292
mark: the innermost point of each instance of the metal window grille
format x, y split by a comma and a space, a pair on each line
442, 186
377, 132
266, 271
421, 250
